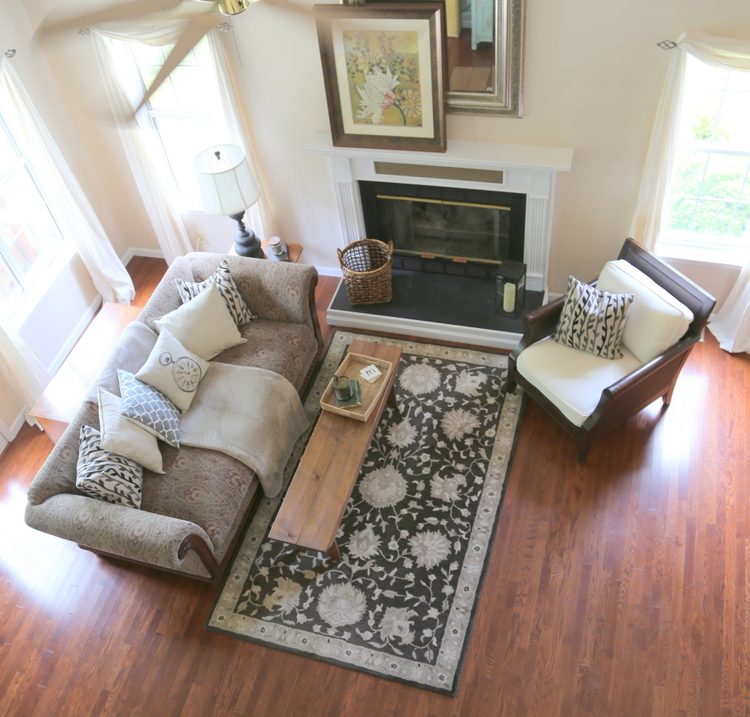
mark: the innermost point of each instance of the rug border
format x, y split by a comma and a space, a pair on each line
449, 691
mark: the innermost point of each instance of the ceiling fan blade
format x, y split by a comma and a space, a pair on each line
124, 11
195, 28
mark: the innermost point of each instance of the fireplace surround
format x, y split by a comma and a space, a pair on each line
524, 170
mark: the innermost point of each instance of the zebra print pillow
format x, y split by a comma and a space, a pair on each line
593, 320
222, 277
107, 476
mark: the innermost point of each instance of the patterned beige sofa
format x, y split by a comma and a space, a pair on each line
190, 517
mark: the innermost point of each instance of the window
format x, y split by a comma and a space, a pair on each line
186, 111
707, 210
30, 240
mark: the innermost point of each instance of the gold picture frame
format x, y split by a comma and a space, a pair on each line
385, 74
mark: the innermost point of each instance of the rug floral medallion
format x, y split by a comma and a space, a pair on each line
414, 537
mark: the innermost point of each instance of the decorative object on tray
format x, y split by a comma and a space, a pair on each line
414, 537
277, 249
369, 391
385, 74
354, 394
366, 267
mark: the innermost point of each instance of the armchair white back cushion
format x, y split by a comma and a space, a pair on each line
656, 320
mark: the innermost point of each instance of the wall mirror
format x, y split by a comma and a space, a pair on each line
484, 56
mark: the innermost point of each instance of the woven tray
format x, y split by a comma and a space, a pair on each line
371, 392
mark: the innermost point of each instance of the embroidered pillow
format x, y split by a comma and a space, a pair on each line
173, 370
203, 325
593, 320
127, 438
222, 277
105, 475
149, 408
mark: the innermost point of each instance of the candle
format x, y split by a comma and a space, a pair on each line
509, 298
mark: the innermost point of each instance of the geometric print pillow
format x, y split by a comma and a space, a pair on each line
222, 277
149, 408
107, 476
593, 320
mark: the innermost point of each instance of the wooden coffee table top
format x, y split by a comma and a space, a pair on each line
322, 484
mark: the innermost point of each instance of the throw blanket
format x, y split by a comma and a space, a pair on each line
251, 414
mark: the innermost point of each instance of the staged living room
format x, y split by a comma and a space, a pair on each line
374, 358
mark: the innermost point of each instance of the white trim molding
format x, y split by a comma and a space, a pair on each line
520, 169
487, 166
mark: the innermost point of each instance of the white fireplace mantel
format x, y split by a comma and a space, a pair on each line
521, 169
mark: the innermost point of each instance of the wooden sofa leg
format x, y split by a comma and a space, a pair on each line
193, 542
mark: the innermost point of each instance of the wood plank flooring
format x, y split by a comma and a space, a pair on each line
621, 587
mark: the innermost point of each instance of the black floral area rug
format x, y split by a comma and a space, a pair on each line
414, 537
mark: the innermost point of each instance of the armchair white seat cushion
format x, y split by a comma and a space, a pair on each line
656, 321
572, 380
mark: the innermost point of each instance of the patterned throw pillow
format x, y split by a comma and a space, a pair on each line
107, 476
593, 320
173, 370
222, 277
127, 438
150, 408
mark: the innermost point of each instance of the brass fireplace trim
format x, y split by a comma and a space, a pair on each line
450, 202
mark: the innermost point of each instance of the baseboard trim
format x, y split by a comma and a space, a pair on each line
135, 251
424, 329
9, 432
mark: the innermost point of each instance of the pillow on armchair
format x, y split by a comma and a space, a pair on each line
592, 320
657, 320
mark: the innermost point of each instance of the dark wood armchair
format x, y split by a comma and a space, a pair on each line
634, 391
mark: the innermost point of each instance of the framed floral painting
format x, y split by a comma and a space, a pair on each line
384, 71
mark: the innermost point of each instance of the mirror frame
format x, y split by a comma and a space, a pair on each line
506, 99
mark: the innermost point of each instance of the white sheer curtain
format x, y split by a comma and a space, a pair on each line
72, 211
139, 139
258, 217
731, 324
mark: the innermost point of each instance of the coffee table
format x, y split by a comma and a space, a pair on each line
312, 509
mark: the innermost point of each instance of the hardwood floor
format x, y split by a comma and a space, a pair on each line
621, 587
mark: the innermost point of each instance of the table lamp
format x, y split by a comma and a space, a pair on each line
229, 188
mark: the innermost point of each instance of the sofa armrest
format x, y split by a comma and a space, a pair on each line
121, 531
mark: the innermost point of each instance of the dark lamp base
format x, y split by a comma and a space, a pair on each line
246, 243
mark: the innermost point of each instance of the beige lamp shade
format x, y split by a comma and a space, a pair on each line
227, 185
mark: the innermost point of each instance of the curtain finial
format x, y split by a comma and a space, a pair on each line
667, 44
10, 53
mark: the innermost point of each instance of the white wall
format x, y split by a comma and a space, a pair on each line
593, 77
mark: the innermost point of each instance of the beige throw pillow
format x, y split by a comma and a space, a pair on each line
124, 437
203, 325
174, 370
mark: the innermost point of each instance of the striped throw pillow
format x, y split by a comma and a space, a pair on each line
222, 277
105, 475
593, 320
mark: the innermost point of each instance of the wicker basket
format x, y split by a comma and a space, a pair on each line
366, 266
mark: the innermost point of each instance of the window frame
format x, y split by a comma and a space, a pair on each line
33, 283
685, 243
